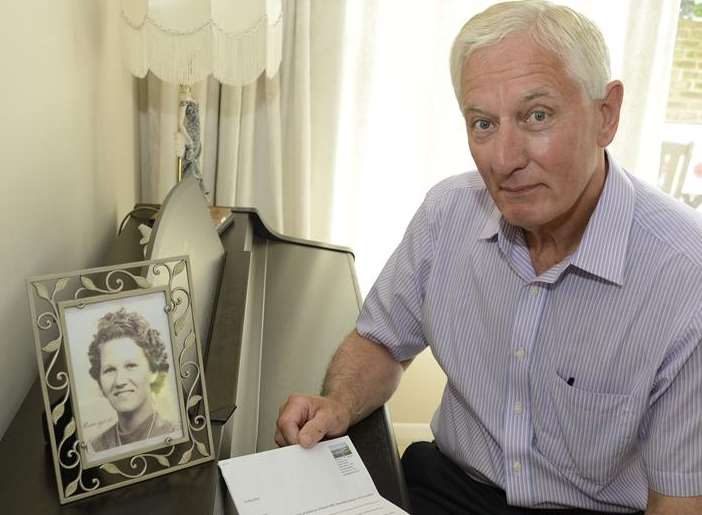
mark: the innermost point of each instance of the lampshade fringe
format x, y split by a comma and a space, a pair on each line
239, 58
234, 59
133, 52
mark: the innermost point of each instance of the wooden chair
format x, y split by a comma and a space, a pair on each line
675, 160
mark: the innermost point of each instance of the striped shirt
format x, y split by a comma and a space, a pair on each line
580, 387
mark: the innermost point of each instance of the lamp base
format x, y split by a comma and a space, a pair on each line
188, 144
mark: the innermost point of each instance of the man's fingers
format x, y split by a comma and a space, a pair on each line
324, 423
288, 431
292, 416
305, 420
312, 432
279, 439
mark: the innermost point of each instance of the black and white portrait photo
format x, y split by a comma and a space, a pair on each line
123, 369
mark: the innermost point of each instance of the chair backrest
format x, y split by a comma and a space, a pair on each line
675, 158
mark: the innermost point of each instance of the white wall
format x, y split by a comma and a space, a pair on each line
68, 160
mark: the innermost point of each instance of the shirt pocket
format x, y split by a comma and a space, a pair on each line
584, 434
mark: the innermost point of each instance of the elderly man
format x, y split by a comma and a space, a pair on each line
560, 294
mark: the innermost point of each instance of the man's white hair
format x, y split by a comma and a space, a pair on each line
568, 34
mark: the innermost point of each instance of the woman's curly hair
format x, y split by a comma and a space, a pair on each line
124, 324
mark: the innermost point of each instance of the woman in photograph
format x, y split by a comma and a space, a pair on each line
128, 360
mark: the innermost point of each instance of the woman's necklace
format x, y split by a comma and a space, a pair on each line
151, 428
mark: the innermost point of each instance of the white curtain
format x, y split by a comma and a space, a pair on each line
645, 64
264, 147
400, 130
277, 137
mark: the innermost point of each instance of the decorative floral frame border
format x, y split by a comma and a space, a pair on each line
47, 294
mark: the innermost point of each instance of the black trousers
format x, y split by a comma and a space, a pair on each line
437, 486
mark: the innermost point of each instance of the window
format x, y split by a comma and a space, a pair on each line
681, 153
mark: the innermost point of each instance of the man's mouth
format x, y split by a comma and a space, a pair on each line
119, 393
519, 189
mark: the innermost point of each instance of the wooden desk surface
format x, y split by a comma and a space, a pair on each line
28, 485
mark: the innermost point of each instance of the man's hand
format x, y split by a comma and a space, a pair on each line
361, 377
307, 419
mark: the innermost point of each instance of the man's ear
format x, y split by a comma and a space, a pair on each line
609, 108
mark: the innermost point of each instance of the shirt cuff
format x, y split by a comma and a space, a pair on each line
398, 353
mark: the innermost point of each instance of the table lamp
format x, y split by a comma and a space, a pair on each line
184, 41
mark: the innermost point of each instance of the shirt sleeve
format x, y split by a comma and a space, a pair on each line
392, 312
672, 444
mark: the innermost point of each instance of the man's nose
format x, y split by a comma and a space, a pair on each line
510, 150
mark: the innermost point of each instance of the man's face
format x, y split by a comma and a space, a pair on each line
125, 377
532, 131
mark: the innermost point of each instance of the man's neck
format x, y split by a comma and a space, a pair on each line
552, 243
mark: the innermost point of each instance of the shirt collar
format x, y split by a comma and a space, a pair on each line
602, 249
492, 224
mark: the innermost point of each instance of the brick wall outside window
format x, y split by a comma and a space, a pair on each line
685, 99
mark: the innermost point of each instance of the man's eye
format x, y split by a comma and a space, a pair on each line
537, 116
482, 125
108, 370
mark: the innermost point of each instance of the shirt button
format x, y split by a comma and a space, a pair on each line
520, 353
517, 467
518, 408
534, 290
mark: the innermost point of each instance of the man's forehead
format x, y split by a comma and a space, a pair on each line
515, 43
516, 80
517, 54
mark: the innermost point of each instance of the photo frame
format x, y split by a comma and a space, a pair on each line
121, 374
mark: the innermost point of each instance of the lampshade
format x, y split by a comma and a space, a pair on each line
183, 41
